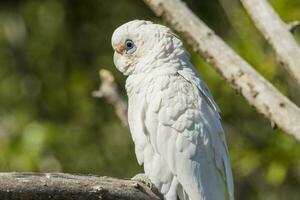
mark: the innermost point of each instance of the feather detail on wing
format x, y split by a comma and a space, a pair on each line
190, 75
186, 131
188, 71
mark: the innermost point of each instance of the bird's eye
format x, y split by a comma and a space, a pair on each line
130, 46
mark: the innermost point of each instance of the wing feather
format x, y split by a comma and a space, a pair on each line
190, 75
185, 130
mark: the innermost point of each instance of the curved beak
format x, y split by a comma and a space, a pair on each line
120, 48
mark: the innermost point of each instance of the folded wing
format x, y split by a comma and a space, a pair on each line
183, 126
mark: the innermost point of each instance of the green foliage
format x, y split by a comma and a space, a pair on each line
50, 54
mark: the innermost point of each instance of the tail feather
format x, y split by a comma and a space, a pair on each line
182, 194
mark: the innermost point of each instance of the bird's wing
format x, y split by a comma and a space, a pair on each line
190, 75
187, 133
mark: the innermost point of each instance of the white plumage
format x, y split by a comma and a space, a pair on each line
173, 119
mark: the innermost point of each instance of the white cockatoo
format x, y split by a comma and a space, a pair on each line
173, 119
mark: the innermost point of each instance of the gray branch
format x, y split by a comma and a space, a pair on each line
109, 90
58, 186
242, 77
277, 34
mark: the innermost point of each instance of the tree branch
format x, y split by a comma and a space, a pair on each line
277, 34
109, 90
58, 186
241, 76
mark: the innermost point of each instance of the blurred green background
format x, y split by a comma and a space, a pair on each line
50, 54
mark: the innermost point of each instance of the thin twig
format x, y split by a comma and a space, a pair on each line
108, 89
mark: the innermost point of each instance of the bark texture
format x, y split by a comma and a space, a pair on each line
109, 90
58, 186
277, 33
242, 77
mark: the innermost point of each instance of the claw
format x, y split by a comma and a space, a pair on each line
144, 179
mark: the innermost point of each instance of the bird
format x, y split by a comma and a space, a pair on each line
174, 121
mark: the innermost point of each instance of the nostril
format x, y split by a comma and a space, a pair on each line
120, 49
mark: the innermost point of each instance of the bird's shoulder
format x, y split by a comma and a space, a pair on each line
176, 103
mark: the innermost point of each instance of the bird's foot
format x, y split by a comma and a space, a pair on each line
144, 179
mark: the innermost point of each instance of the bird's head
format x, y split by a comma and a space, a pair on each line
138, 44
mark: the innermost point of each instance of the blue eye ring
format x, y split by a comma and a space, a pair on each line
130, 46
